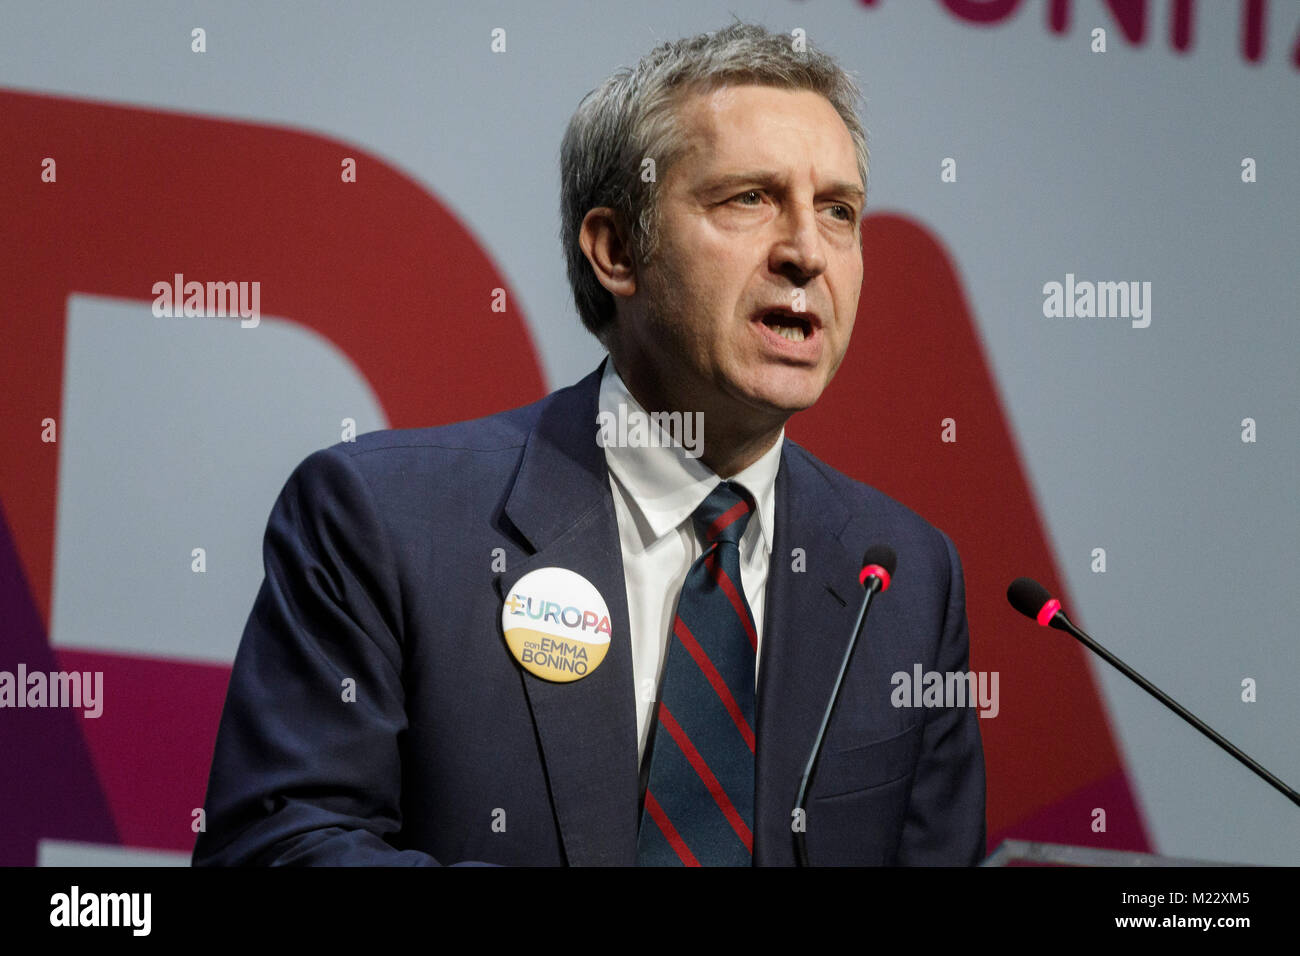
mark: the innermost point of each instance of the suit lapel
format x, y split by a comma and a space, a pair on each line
561, 503
808, 619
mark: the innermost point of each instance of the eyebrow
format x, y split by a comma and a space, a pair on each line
841, 187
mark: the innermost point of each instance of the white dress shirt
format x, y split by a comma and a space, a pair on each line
656, 490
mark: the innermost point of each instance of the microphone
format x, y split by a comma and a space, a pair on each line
1033, 600
877, 567
877, 571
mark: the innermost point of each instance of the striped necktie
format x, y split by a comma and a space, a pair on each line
699, 799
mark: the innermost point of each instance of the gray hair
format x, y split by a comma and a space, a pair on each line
631, 116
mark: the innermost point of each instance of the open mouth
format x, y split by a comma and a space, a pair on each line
788, 325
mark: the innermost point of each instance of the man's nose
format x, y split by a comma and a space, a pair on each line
798, 250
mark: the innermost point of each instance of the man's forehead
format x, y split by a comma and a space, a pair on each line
751, 102
716, 125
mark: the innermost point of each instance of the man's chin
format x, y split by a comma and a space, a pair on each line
784, 393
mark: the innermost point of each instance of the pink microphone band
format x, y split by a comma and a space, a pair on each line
877, 571
1048, 612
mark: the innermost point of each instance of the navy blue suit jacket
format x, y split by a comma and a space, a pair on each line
382, 568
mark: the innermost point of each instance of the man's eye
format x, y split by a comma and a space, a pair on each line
846, 210
745, 195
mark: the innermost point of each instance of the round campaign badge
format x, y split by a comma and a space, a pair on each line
556, 624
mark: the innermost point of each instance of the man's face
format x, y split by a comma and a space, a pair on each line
764, 205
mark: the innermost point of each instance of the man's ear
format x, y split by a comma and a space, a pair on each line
607, 249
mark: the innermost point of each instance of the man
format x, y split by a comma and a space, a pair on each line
416, 685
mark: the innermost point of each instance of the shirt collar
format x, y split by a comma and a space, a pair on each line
666, 485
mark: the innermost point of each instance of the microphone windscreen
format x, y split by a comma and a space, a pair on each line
1027, 596
883, 555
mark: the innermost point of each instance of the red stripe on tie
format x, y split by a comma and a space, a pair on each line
719, 795
733, 595
669, 831
715, 679
726, 518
